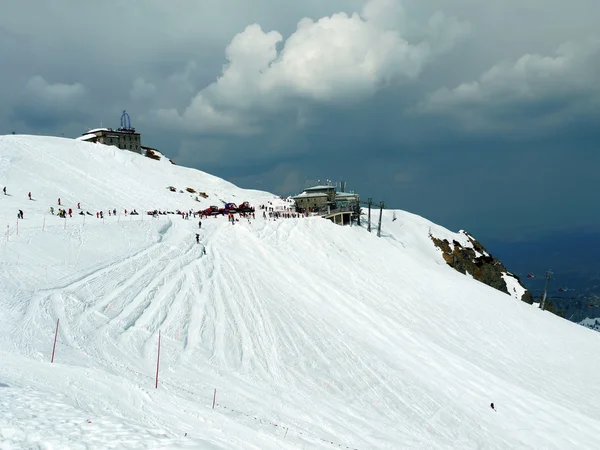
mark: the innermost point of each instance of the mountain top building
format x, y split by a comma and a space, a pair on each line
340, 207
125, 137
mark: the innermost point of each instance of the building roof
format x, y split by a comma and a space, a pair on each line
86, 137
96, 130
318, 188
345, 194
112, 132
310, 195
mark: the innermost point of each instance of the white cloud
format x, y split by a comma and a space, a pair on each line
563, 83
336, 59
142, 89
59, 93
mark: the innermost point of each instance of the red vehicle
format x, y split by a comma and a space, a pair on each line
211, 211
245, 208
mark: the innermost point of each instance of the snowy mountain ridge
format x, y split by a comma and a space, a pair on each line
313, 335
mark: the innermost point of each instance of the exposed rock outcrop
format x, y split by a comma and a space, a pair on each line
476, 261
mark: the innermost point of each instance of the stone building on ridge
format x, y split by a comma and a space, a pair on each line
125, 137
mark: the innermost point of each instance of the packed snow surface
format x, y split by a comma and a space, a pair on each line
313, 335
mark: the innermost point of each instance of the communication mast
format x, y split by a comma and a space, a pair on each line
126, 123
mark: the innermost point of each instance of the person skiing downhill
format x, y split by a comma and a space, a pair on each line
59, 200
29, 195
197, 238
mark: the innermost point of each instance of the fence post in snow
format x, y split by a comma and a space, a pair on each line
157, 360
55, 336
214, 399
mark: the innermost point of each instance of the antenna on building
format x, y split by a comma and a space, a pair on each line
126, 122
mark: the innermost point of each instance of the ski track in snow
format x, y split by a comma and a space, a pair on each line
314, 335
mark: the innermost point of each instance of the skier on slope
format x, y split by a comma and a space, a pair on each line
200, 224
4, 190
197, 238
29, 195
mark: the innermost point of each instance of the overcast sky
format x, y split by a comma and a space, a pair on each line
478, 115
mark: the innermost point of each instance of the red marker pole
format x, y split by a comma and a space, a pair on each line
157, 360
214, 399
55, 336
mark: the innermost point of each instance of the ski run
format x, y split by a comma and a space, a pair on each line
312, 335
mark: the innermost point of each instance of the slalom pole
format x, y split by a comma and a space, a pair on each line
157, 361
214, 399
55, 336
17, 227
44, 224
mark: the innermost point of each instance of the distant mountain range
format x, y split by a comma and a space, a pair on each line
574, 290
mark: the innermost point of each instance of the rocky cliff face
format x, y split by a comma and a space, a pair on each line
477, 262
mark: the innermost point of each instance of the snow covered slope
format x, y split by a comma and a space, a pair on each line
314, 335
